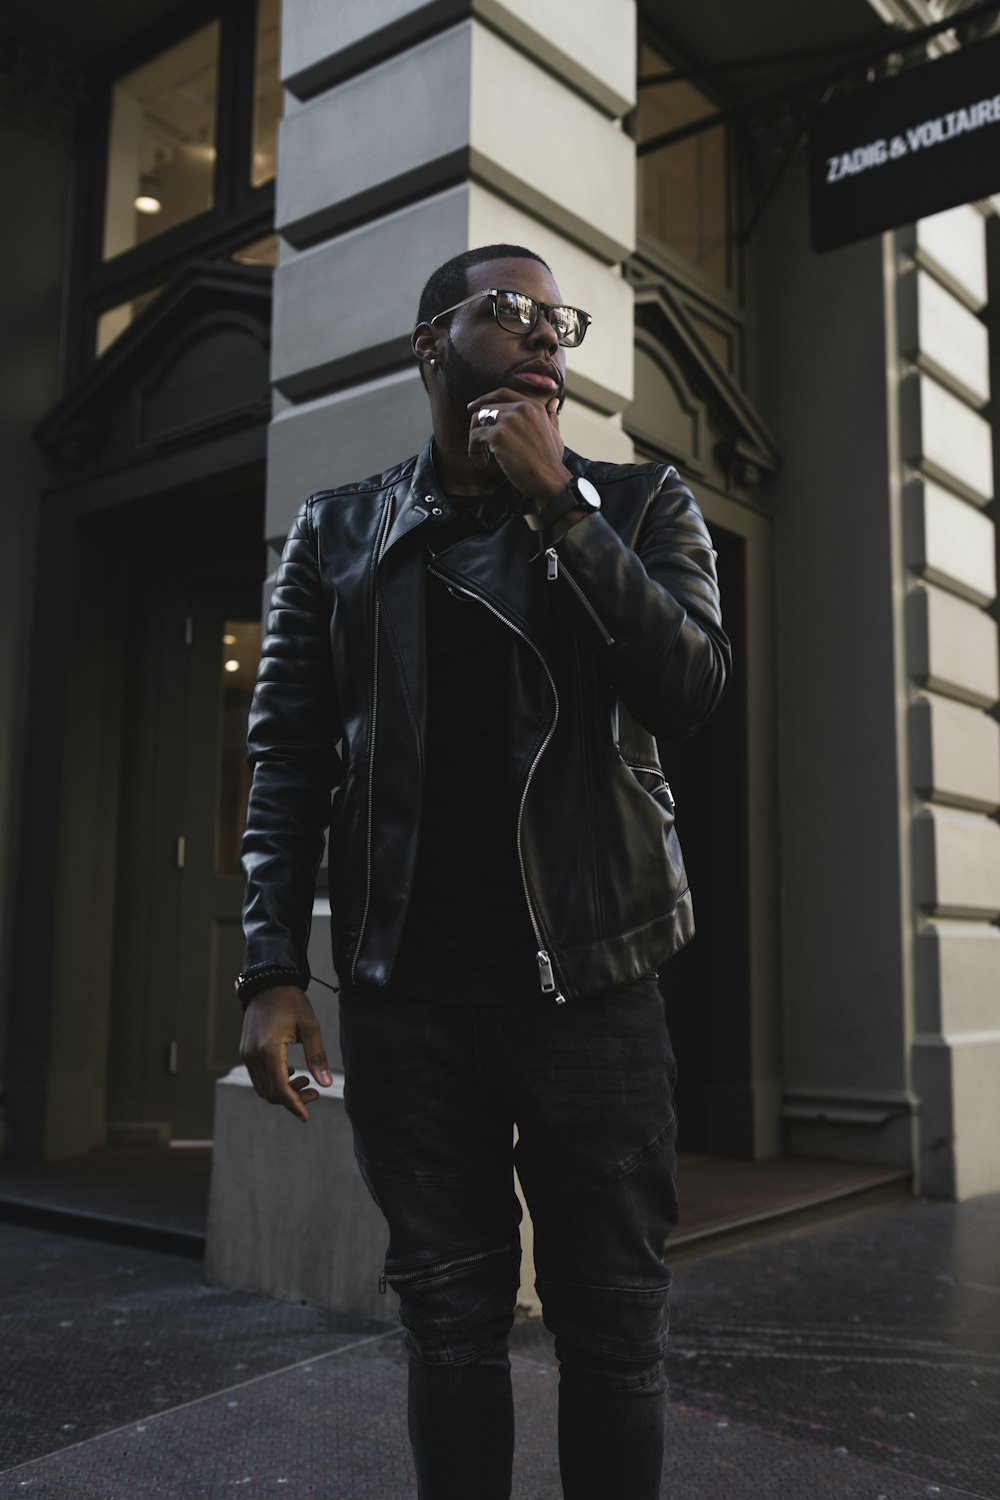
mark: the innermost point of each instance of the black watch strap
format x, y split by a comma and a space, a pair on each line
554, 510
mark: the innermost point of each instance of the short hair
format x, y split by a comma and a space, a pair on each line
449, 283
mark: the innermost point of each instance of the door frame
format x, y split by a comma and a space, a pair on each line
177, 939
66, 861
690, 411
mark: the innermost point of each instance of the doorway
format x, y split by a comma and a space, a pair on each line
190, 643
706, 987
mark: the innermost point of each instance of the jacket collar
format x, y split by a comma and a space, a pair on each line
496, 567
419, 499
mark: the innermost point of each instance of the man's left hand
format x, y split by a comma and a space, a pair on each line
524, 440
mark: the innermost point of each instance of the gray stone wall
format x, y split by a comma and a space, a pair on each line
412, 132
946, 455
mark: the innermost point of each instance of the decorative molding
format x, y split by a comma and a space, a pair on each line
746, 452
169, 409
125, 410
867, 1107
692, 454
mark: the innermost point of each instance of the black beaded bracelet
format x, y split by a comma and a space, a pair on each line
265, 978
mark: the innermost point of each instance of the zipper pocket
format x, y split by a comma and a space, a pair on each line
547, 977
662, 784
426, 1272
553, 570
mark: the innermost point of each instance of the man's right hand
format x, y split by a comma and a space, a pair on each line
274, 1019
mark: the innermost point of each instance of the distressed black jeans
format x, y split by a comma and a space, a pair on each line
433, 1093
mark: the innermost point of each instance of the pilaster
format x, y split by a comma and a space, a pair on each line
952, 665
412, 132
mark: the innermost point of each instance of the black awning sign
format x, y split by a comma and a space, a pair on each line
910, 146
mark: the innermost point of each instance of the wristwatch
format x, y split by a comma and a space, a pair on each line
579, 494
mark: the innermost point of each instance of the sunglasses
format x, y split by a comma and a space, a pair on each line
518, 313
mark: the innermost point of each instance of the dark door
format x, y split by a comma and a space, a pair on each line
191, 658
706, 986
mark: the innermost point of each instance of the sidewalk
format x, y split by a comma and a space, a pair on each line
851, 1360
158, 1196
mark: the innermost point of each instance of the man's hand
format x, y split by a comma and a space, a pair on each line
274, 1019
524, 440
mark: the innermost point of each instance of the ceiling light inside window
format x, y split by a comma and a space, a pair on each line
147, 200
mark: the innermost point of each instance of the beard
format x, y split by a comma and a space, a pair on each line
465, 381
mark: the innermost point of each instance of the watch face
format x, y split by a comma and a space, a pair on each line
588, 494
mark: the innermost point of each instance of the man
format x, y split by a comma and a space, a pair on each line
495, 633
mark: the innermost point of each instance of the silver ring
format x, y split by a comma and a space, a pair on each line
486, 416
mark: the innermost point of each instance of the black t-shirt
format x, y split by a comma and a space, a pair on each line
468, 937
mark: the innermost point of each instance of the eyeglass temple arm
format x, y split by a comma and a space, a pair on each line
489, 292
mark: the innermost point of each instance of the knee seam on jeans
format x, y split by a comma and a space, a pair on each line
610, 1373
420, 1275
445, 1360
593, 1355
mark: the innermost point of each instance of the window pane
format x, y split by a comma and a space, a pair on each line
161, 152
682, 189
262, 252
267, 98
240, 655
113, 323
717, 340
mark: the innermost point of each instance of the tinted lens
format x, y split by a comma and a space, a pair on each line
516, 311
568, 324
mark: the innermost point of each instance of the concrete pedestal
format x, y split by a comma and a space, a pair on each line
288, 1213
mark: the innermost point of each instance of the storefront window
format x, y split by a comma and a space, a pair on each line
717, 340
239, 658
262, 252
113, 323
682, 188
267, 92
162, 146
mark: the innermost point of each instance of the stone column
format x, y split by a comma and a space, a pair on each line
412, 132
946, 447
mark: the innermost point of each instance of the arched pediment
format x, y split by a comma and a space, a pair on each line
664, 412
183, 395
686, 405
194, 364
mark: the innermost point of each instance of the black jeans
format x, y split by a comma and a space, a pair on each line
433, 1092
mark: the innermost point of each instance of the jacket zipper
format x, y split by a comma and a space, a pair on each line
546, 970
441, 1267
553, 569
376, 620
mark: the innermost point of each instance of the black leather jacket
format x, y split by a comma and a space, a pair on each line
620, 643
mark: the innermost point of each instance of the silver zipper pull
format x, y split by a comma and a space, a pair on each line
551, 564
545, 975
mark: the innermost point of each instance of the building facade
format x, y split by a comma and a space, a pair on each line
179, 377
